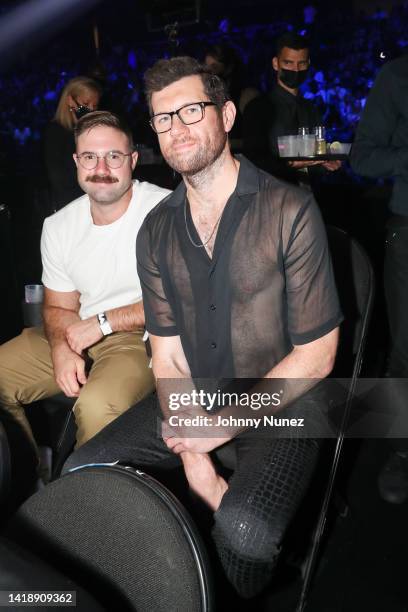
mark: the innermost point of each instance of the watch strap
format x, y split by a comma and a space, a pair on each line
104, 324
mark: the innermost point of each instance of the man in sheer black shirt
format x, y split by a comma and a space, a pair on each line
237, 283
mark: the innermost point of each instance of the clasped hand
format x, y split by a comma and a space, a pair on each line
83, 334
180, 434
69, 365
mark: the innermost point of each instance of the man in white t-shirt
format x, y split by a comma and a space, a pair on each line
93, 299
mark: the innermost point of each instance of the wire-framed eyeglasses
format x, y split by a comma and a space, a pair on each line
188, 114
113, 159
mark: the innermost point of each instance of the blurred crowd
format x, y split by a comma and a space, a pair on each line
347, 52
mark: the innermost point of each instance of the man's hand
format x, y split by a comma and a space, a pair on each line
82, 334
203, 479
195, 438
69, 370
195, 445
298, 165
332, 165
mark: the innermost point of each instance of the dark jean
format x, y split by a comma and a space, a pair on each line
270, 478
396, 294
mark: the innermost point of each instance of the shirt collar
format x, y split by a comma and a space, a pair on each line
248, 182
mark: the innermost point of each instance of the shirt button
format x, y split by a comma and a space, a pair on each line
213, 307
213, 345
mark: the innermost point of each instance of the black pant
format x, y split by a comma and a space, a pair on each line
267, 485
396, 293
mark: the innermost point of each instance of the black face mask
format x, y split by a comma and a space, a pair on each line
292, 78
81, 110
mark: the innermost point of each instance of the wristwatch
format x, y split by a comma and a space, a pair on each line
104, 324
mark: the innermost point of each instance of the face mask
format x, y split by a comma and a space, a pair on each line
292, 78
81, 110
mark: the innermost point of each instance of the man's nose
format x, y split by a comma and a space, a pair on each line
177, 125
102, 166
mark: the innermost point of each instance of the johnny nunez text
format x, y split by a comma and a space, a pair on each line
230, 421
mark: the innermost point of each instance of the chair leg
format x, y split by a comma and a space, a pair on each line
65, 445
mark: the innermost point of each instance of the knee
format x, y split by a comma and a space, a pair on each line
248, 533
8, 390
6, 393
12, 368
90, 418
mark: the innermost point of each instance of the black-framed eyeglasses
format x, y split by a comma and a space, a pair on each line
188, 114
113, 159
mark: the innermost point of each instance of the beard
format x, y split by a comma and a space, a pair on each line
189, 163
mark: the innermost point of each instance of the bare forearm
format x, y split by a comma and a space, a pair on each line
126, 318
170, 381
172, 375
294, 375
56, 321
300, 365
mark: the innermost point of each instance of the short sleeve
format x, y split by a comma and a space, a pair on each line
312, 300
160, 320
54, 274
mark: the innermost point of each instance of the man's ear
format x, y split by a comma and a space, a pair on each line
275, 63
134, 157
74, 155
228, 115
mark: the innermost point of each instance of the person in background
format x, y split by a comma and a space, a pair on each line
225, 62
380, 150
282, 112
79, 96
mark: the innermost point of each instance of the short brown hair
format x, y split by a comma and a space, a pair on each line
104, 119
167, 71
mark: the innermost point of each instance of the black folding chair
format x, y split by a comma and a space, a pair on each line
119, 535
5, 468
355, 284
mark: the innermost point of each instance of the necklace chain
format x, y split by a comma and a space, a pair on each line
199, 246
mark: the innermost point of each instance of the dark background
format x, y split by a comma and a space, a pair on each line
363, 564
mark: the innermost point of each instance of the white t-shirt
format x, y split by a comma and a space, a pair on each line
99, 261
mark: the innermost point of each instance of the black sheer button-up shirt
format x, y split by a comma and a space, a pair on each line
268, 286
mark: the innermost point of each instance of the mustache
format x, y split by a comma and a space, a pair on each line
183, 141
101, 178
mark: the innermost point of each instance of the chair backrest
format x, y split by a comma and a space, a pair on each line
122, 532
23, 571
355, 285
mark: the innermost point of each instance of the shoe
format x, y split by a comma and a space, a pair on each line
393, 478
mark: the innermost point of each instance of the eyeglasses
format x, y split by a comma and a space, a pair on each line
188, 114
113, 159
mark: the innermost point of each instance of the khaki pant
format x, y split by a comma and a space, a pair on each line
119, 377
